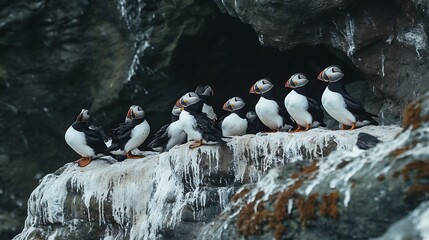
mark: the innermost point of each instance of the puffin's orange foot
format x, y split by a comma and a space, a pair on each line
132, 156
353, 126
83, 161
196, 144
307, 128
298, 129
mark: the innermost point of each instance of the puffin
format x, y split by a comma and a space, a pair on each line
169, 135
306, 111
366, 141
129, 135
235, 123
195, 123
339, 104
205, 92
84, 141
254, 124
268, 109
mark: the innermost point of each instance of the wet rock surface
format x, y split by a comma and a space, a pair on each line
171, 195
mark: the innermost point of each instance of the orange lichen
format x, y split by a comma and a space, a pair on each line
239, 195
309, 169
421, 169
307, 208
250, 222
396, 174
329, 205
281, 209
399, 151
418, 191
411, 115
381, 178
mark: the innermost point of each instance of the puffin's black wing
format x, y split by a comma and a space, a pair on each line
285, 115
366, 141
161, 138
120, 136
356, 107
95, 140
208, 131
316, 111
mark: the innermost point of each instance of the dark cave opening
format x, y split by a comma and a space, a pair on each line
228, 56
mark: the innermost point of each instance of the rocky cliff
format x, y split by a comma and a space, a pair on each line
173, 195
60, 56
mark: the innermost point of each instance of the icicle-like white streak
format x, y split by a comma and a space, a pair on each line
382, 63
416, 37
348, 34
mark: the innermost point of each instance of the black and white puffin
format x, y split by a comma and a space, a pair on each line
205, 92
86, 142
129, 135
302, 108
235, 123
339, 104
169, 135
197, 125
268, 109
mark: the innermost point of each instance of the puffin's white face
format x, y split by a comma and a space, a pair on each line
135, 112
261, 86
331, 74
205, 90
233, 104
83, 116
176, 111
187, 100
297, 80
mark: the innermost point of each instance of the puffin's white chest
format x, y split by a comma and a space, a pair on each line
335, 106
175, 134
297, 106
189, 123
138, 135
268, 113
76, 140
208, 110
234, 125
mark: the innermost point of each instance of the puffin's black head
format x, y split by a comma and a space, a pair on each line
175, 113
204, 90
83, 116
191, 102
135, 112
233, 104
297, 80
261, 86
331, 74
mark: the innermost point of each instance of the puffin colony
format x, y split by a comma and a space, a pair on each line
193, 119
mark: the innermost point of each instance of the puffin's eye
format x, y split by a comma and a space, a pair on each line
333, 70
263, 82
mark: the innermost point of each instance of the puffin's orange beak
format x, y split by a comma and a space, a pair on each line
178, 104
252, 89
287, 84
227, 107
319, 77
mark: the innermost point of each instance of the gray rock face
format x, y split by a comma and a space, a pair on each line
171, 195
386, 40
